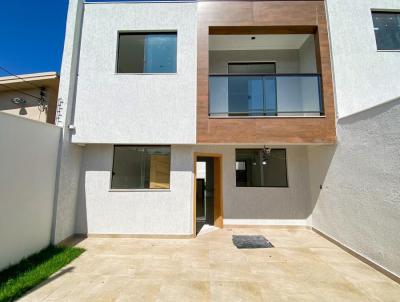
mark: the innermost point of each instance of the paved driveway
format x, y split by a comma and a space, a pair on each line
302, 267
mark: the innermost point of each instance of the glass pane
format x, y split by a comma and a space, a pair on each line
387, 30
147, 53
218, 95
237, 95
298, 95
245, 95
130, 53
160, 53
137, 167
251, 68
254, 168
270, 95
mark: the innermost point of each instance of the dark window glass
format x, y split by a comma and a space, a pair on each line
257, 168
146, 53
141, 167
249, 95
387, 30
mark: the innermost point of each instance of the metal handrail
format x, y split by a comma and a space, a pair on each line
265, 74
269, 75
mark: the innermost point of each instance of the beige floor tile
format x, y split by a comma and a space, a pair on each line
185, 291
231, 271
358, 272
235, 291
333, 255
333, 291
388, 291
139, 291
303, 266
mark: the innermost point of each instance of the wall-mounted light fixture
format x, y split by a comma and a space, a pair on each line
18, 101
265, 153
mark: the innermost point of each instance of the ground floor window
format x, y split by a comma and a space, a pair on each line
261, 168
141, 167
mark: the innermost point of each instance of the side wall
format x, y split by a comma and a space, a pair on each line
359, 204
69, 164
28, 162
364, 77
101, 211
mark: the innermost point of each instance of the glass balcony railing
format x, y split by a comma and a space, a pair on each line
265, 95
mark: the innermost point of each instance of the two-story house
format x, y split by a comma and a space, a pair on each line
184, 114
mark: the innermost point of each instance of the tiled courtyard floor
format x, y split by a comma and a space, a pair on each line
303, 266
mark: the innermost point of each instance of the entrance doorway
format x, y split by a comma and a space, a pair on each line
208, 192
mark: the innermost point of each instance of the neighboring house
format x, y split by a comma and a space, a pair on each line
182, 114
33, 96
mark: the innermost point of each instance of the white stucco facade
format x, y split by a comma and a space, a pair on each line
363, 76
70, 155
359, 204
135, 108
348, 191
103, 211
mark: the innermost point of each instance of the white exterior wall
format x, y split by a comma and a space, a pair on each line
135, 108
28, 161
363, 76
260, 206
359, 202
69, 165
103, 211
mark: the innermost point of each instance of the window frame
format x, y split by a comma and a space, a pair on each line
110, 189
259, 149
144, 32
250, 63
382, 11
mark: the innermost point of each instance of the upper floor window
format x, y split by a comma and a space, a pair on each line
141, 167
261, 168
150, 52
387, 30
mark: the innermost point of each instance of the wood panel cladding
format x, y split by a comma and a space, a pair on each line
264, 17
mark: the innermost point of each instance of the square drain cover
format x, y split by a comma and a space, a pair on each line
251, 242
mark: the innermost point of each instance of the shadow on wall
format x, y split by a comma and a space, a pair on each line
81, 225
364, 140
319, 160
359, 204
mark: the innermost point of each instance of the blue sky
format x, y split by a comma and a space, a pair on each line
32, 35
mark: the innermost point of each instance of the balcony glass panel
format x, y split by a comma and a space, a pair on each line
265, 95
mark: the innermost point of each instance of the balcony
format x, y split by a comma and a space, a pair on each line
265, 95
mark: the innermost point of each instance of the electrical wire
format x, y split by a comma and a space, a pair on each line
14, 75
22, 92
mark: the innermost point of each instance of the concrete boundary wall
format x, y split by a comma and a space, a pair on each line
359, 203
28, 163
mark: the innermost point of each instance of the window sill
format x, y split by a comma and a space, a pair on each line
139, 190
259, 187
388, 50
265, 117
147, 73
